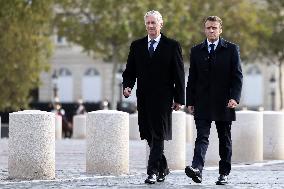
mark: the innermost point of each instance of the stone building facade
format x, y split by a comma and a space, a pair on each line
78, 76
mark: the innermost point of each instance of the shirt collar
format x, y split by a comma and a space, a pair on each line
157, 39
215, 43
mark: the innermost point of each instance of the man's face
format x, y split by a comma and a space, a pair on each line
212, 30
153, 27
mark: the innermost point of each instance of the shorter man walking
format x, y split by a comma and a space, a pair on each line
213, 92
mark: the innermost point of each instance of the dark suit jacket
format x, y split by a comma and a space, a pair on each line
212, 82
160, 80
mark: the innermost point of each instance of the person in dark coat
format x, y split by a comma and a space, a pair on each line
156, 62
213, 92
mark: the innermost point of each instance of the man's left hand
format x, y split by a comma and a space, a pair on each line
176, 106
232, 103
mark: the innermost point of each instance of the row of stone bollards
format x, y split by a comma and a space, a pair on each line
255, 135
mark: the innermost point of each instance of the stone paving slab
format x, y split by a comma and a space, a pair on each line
70, 172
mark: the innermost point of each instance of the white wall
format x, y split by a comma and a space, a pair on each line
65, 88
91, 89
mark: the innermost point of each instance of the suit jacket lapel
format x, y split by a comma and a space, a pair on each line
221, 44
144, 47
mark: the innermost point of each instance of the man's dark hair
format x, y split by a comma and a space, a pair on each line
213, 19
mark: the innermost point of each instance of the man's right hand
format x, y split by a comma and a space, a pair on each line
191, 109
127, 92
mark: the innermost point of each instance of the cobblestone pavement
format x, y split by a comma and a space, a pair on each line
70, 172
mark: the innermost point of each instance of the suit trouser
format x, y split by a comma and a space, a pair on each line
202, 142
157, 161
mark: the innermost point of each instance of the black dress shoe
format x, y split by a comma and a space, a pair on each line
194, 174
162, 175
151, 179
222, 180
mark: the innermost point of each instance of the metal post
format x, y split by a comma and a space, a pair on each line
273, 92
272, 100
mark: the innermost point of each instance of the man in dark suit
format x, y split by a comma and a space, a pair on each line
156, 62
213, 91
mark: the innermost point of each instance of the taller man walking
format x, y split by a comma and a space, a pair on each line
156, 62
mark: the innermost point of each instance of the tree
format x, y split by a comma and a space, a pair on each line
241, 23
275, 43
106, 28
24, 48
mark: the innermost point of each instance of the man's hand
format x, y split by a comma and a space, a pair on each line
176, 106
127, 92
232, 103
191, 109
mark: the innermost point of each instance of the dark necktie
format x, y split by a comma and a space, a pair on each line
151, 48
211, 49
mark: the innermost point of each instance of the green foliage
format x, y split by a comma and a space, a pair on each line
242, 23
101, 27
24, 48
106, 28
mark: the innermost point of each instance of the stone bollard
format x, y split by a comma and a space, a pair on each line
31, 145
273, 135
107, 142
79, 126
190, 126
247, 137
58, 126
212, 154
175, 149
190, 137
133, 127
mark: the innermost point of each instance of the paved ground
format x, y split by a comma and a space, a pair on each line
70, 172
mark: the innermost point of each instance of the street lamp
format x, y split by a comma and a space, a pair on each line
55, 87
272, 82
119, 79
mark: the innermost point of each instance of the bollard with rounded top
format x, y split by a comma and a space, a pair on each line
58, 126
273, 135
247, 137
107, 142
31, 145
174, 149
79, 126
133, 127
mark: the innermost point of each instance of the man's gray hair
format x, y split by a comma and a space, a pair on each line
156, 14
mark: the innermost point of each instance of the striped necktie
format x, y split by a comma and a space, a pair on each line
211, 48
151, 48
